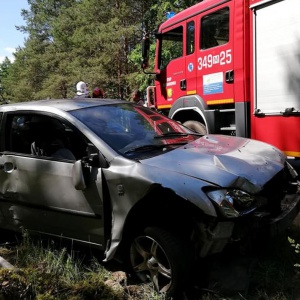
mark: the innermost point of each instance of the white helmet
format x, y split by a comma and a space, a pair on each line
81, 88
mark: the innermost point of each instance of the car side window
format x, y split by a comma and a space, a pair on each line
43, 136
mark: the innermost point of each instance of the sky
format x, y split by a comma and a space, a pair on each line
10, 37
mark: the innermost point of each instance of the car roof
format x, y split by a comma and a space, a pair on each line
60, 104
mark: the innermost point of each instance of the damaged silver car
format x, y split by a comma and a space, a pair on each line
138, 186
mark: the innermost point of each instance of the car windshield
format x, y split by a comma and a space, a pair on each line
134, 130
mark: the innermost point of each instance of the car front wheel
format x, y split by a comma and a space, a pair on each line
161, 257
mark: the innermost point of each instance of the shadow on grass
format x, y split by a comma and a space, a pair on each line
54, 269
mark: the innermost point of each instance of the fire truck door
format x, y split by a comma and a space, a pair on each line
191, 61
215, 55
172, 66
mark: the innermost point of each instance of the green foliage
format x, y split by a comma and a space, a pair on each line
4, 73
97, 41
138, 79
51, 271
296, 246
43, 272
46, 270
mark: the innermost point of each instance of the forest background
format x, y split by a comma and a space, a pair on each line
97, 41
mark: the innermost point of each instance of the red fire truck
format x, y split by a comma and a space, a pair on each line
232, 67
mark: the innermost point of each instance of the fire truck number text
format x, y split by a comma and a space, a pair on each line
207, 61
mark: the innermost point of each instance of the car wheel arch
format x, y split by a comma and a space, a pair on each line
161, 208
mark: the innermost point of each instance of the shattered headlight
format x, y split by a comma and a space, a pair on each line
232, 203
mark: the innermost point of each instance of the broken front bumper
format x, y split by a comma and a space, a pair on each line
290, 207
248, 228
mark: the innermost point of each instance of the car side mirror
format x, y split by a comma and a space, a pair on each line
95, 158
77, 176
80, 169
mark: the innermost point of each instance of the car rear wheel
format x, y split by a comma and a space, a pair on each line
196, 126
157, 255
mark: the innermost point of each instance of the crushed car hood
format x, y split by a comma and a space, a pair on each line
224, 160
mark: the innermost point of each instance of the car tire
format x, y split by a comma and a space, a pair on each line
196, 126
157, 255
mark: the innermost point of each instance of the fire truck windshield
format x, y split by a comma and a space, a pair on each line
171, 46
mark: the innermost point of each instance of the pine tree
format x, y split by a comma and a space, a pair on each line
97, 41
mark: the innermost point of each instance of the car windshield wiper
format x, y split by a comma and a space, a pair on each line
171, 134
151, 147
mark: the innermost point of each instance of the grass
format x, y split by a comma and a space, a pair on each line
53, 272
48, 272
275, 274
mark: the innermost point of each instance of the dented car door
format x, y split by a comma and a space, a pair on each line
38, 191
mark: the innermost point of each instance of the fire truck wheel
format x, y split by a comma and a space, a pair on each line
158, 255
196, 126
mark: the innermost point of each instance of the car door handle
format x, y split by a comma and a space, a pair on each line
7, 167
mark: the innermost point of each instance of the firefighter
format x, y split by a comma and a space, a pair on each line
97, 93
82, 90
137, 97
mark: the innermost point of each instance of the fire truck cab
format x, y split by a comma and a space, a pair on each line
232, 67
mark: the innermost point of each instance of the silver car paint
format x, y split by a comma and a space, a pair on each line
217, 160
232, 161
128, 181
